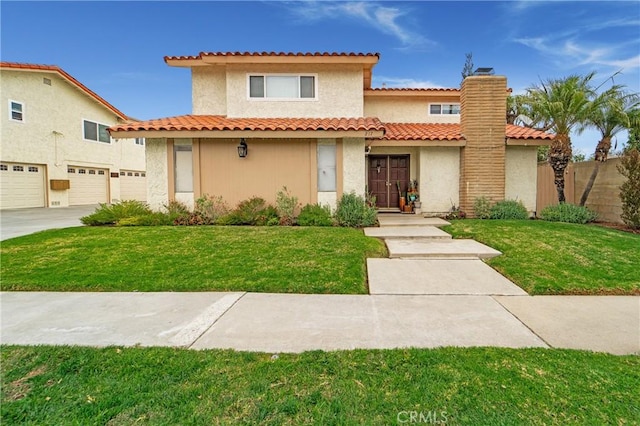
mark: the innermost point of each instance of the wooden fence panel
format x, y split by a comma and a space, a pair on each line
547, 194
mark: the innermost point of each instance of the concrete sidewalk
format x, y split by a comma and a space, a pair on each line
295, 323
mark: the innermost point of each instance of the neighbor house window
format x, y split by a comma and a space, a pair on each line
139, 141
16, 111
444, 109
96, 132
280, 86
326, 168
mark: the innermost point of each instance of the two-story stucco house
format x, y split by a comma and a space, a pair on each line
312, 122
55, 148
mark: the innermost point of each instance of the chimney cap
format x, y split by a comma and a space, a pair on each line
483, 71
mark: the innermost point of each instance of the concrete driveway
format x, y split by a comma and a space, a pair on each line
18, 222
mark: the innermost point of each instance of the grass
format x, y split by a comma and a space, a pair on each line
559, 258
206, 258
64, 385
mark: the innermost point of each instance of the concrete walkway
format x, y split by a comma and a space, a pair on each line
414, 302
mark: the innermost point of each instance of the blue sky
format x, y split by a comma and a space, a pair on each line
117, 48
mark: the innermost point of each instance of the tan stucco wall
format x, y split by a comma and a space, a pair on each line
209, 90
340, 92
407, 110
439, 179
604, 198
157, 173
353, 168
59, 108
521, 170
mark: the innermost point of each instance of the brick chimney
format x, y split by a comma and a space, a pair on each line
483, 111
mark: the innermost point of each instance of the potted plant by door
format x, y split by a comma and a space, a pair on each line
403, 200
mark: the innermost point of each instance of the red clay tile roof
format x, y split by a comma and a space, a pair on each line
450, 132
413, 89
66, 76
312, 54
219, 123
422, 132
518, 132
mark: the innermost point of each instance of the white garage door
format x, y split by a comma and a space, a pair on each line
87, 185
133, 185
22, 185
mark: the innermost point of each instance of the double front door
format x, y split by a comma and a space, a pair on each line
385, 174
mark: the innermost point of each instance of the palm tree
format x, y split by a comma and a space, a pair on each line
616, 111
560, 105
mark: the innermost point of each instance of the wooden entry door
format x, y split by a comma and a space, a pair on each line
385, 171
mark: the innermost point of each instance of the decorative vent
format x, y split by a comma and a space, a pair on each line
47, 81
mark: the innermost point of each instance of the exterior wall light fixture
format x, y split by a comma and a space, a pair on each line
242, 148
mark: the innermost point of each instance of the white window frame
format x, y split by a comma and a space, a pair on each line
297, 99
98, 124
11, 102
442, 104
139, 141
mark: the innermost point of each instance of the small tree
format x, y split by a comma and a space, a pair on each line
629, 167
467, 70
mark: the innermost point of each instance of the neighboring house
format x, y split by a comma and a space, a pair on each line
312, 122
55, 148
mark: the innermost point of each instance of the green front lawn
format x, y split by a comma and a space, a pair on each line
559, 258
206, 258
64, 385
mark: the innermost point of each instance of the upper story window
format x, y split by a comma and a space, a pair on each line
282, 86
139, 141
444, 109
96, 132
16, 111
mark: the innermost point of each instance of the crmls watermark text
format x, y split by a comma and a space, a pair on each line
426, 417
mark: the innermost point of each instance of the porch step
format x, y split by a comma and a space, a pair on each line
439, 249
397, 219
407, 232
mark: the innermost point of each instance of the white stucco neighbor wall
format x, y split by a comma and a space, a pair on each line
521, 174
339, 87
406, 110
209, 90
439, 183
353, 166
157, 173
52, 131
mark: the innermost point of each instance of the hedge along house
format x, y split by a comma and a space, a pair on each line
312, 122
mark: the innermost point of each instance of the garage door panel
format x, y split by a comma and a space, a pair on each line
22, 185
87, 185
133, 185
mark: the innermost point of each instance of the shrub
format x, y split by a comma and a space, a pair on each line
254, 211
286, 205
570, 213
315, 215
482, 207
110, 214
151, 219
629, 167
210, 208
354, 211
455, 213
508, 209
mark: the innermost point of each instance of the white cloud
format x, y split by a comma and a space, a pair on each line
399, 82
571, 53
382, 18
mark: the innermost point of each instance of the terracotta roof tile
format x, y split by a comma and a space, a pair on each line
219, 123
271, 54
414, 89
450, 132
66, 76
518, 132
422, 132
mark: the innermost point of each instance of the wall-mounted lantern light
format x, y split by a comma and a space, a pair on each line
242, 148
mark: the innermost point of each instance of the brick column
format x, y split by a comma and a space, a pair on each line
483, 110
